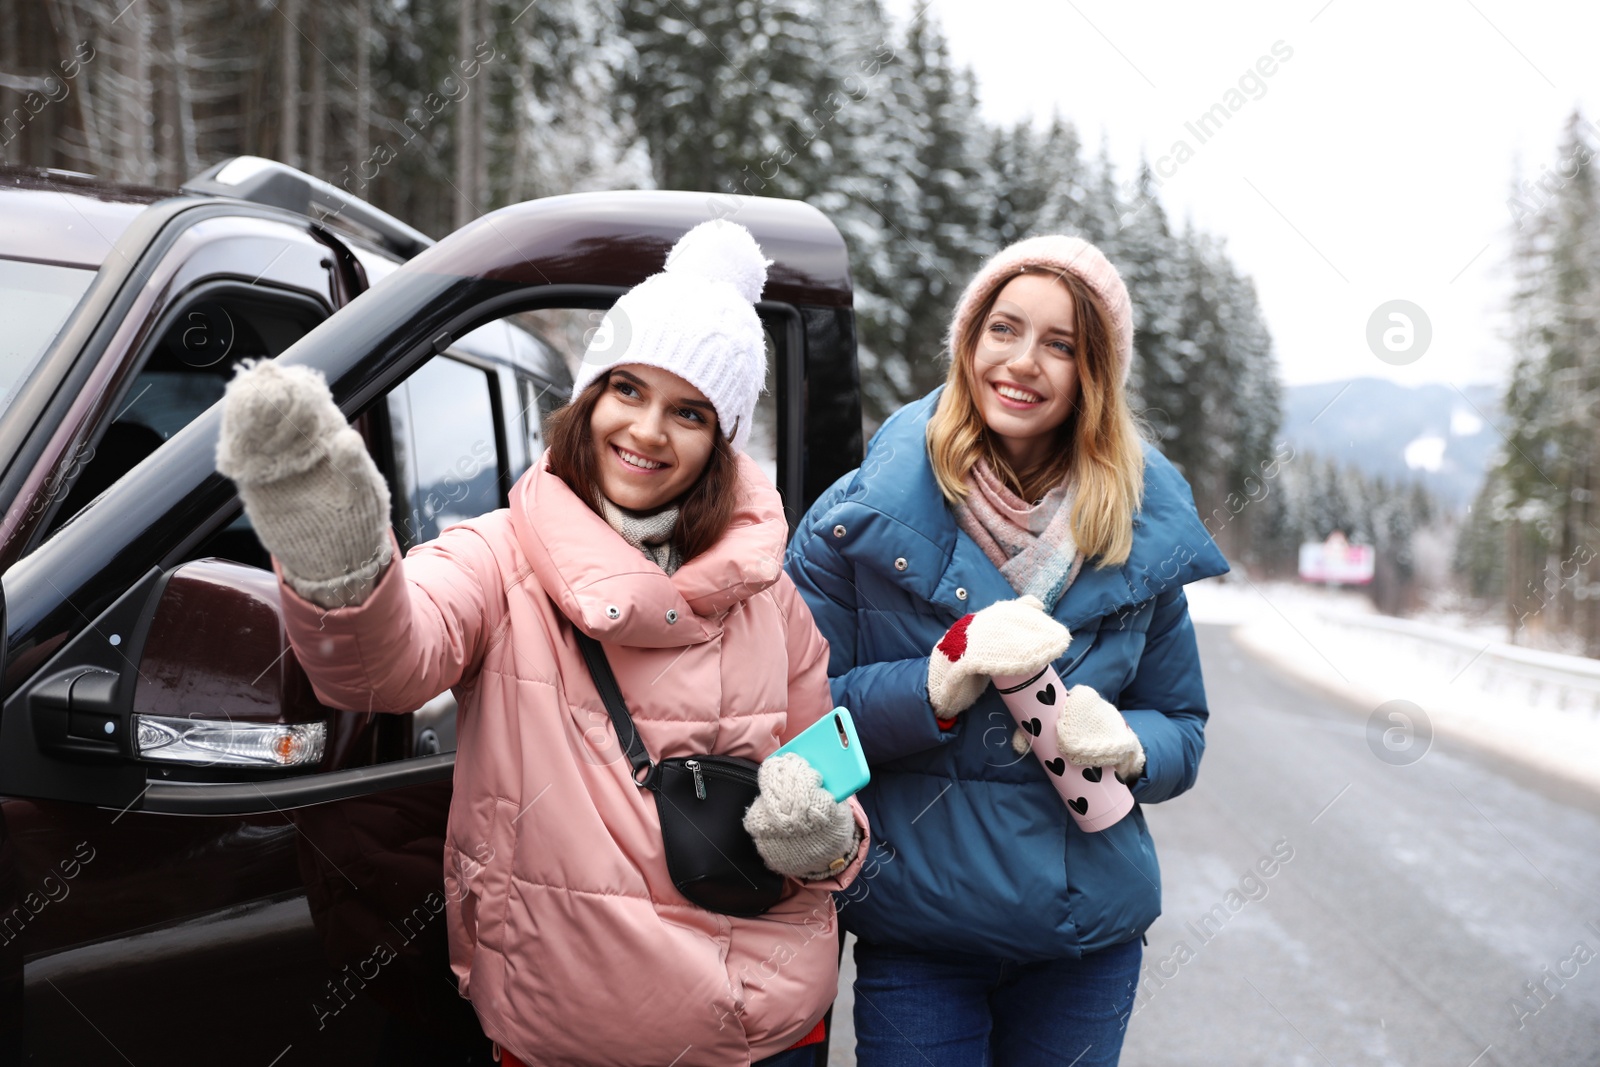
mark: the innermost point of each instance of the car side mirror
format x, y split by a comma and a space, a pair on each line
188, 676
216, 683
194, 678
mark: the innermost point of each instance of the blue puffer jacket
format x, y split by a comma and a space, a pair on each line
973, 850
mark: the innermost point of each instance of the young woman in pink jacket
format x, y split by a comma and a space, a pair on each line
646, 527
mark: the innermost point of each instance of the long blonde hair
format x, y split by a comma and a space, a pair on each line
1100, 442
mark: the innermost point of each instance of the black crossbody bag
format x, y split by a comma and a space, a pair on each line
701, 801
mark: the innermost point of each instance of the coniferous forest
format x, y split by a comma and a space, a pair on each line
442, 110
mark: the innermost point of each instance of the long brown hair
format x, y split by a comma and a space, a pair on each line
704, 512
1099, 444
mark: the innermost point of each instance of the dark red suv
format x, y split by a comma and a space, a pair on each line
200, 863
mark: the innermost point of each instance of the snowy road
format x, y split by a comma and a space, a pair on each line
1418, 900
1445, 912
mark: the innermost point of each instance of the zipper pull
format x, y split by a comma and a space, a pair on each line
699, 782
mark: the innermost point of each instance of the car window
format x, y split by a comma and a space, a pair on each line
530, 414
35, 301
447, 456
447, 467
183, 374
537, 400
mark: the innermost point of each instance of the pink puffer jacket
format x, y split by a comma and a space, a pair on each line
565, 930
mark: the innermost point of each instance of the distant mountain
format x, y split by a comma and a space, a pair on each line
1437, 434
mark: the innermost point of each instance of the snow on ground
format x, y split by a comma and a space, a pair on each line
1539, 708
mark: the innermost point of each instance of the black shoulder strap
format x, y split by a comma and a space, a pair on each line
627, 734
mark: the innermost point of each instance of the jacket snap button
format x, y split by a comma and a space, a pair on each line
672, 615
961, 593
613, 612
900, 564
838, 531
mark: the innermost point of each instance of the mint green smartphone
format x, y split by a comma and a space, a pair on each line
831, 746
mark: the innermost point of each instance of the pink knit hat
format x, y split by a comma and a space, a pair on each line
1059, 254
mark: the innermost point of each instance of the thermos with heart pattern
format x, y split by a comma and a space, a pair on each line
1093, 794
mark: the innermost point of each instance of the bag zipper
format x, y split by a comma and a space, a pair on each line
717, 770
737, 774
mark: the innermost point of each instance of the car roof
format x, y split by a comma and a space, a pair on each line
74, 219
71, 219
61, 217
617, 238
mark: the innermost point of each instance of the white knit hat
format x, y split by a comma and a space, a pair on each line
697, 319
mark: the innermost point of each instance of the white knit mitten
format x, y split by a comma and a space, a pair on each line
1011, 637
1091, 732
312, 492
799, 829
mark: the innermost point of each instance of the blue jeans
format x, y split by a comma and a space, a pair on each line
947, 1009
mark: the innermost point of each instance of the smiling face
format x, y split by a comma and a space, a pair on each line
1025, 368
652, 434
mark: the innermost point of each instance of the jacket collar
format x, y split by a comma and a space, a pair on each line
610, 591
893, 510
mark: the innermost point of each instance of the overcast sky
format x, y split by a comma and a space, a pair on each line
1374, 164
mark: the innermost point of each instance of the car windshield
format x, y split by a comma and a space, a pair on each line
35, 300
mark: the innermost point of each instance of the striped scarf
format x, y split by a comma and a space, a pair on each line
1031, 544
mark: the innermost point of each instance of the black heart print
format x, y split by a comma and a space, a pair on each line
1047, 695
1092, 773
1032, 726
1058, 766
1079, 805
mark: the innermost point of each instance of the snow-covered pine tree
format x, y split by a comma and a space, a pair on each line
1186, 394
923, 184
731, 95
1546, 479
563, 132
1248, 387
1148, 260
1036, 182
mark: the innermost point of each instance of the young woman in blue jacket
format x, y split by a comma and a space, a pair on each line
1012, 507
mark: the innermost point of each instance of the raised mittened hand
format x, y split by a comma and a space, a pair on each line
312, 492
1091, 732
798, 828
1011, 637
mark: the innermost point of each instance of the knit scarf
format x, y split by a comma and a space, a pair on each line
650, 533
1031, 544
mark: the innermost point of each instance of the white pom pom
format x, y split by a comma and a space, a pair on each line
721, 251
